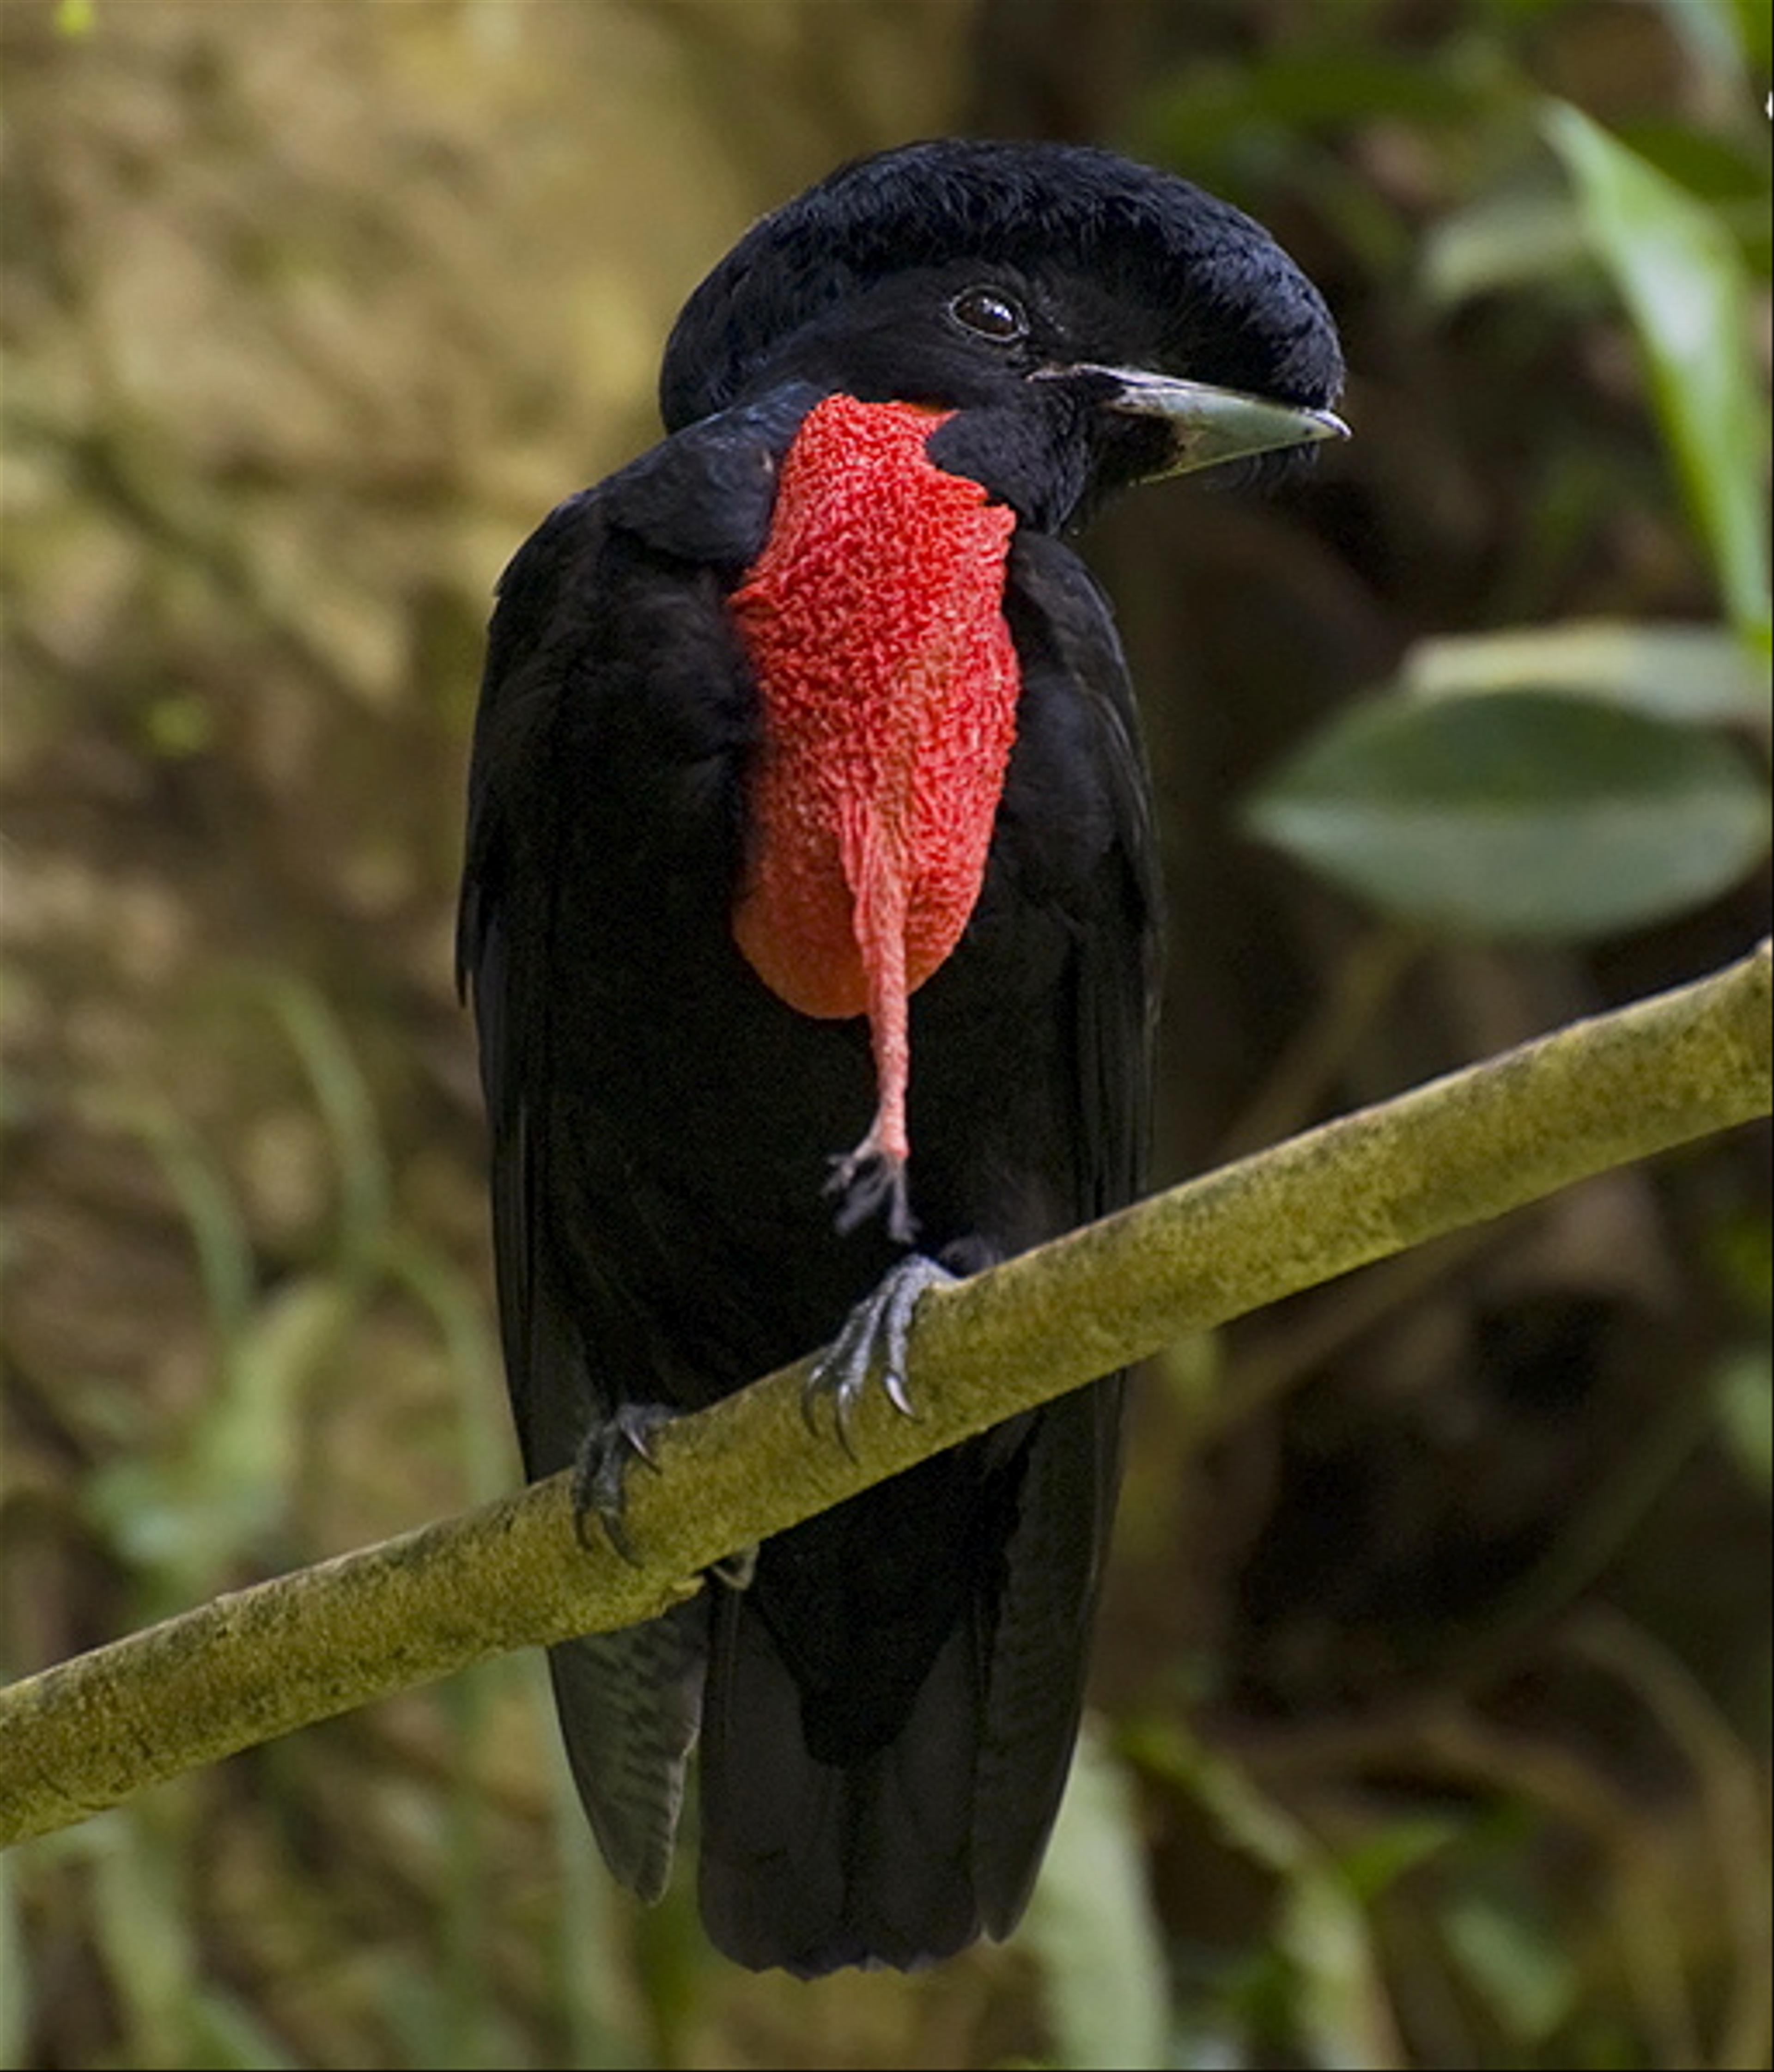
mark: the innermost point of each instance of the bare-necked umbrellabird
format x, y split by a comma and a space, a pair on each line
809, 916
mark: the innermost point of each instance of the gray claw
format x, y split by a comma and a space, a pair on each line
600, 1478
737, 1570
876, 1334
866, 1181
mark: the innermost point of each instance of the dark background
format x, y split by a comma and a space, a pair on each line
1433, 1693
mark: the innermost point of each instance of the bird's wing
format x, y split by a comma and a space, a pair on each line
572, 709
1064, 628
503, 929
628, 1701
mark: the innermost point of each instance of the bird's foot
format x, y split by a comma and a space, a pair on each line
869, 1179
600, 1475
876, 1335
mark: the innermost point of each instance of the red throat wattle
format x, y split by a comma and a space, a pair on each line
873, 621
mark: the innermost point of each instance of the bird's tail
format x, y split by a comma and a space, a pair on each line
808, 1865
905, 1853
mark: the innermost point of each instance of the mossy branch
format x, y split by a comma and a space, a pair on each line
257, 1662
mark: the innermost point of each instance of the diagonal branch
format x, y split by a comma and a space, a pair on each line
258, 1663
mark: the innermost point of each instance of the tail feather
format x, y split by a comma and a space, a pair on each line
1041, 1641
905, 1854
809, 1866
629, 1704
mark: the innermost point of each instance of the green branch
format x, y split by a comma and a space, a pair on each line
258, 1663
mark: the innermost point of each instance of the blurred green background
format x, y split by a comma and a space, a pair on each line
1432, 1699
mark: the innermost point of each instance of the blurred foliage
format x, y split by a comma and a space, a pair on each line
1434, 1699
1532, 815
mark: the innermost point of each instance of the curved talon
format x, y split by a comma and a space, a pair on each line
737, 1570
600, 1478
876, 1334
865, 1180
893, 1379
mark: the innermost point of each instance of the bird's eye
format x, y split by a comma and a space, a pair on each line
992, 313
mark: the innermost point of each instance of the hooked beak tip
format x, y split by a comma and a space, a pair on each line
1326, 425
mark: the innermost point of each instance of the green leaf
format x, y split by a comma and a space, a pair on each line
227, 2036
1711, 38
1091, 1923
1687, 290
142, 1925
1379, 1860
1691, 675
184, 1516
1744, 1392
1505, 240
1513, 1960
18, 1988
349, 1111
1518, 814
1322, 1964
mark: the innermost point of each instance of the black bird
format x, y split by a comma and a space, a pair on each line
810, 912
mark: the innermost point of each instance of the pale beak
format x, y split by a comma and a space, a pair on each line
1208, 424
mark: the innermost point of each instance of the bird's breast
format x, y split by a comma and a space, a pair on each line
888, 682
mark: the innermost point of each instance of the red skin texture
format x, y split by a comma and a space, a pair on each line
873, 621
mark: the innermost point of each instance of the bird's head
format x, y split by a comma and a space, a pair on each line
1090, 323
